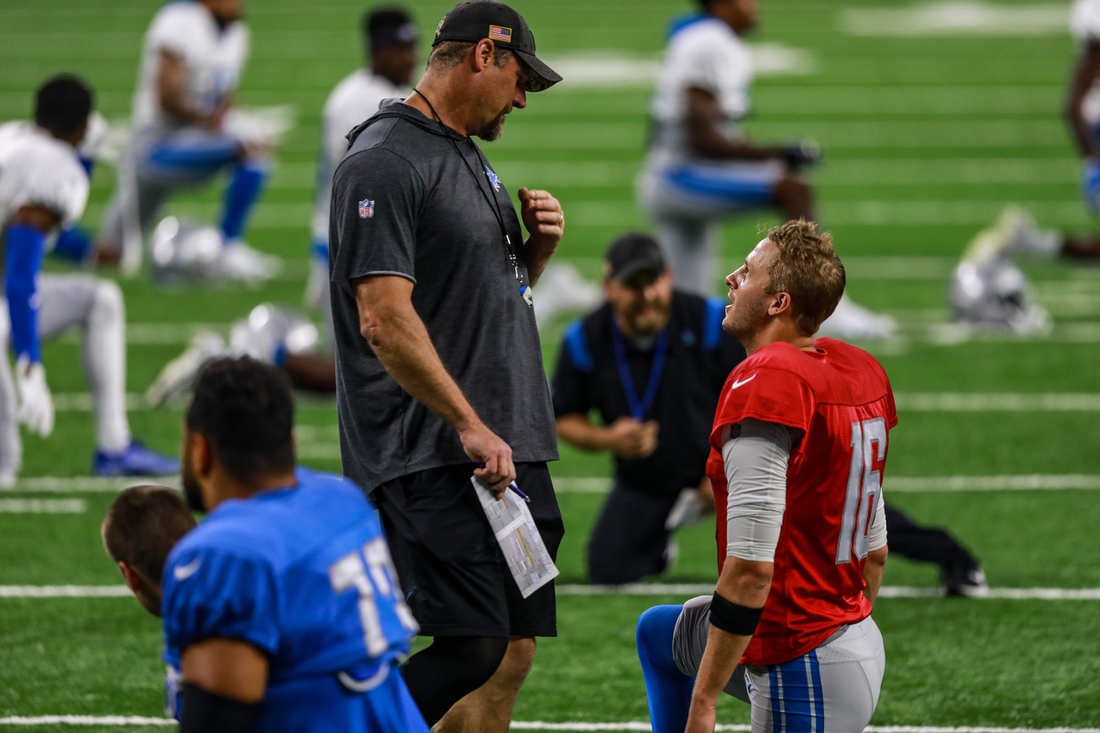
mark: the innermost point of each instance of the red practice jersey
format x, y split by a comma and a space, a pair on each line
839, 399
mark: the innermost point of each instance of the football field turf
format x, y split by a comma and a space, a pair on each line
927, 136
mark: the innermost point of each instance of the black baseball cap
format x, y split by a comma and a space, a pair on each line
632, 253
474, 20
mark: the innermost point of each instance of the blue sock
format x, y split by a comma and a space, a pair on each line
240, 197
73, 244
668, 689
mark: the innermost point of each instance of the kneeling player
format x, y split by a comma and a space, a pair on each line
282, 610
42, 188
798, 449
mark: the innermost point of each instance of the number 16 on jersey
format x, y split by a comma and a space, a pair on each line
864, 489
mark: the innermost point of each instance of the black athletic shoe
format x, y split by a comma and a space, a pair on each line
965, 580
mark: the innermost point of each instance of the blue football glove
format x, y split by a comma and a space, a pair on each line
1090, 185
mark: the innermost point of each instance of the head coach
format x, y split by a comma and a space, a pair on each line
439, 366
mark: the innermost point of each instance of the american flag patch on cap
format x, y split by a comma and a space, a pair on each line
500, 33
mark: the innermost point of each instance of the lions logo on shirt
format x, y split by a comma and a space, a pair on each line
494, 179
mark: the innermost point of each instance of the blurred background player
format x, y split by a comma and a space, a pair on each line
43, 187
651, 361
701, 168
140, 528
282, 610
277, 335
1016, 232
191, 66
798, 450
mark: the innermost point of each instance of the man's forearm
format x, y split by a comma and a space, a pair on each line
537, 259
873, 571
402, 344
745, 584
579, 432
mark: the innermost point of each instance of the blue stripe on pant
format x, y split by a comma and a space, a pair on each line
796, 696
754, 189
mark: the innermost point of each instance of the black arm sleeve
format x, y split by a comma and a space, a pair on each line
205, 712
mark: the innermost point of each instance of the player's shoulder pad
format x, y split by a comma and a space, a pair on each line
49, 174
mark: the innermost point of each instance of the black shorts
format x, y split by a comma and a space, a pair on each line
449, 562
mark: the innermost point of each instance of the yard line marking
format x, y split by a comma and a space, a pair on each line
79, 484
957, 19
632, 589
43, 506
997, 402
86, 720
1034, 482
601, 484
64, 591
630, 725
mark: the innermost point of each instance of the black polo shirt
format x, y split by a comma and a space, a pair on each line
415, 199
698, 356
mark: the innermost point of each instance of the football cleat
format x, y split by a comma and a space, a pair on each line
852, 321
1022, 236
179, 375
238, 261
134, 460
966, 580
561, 288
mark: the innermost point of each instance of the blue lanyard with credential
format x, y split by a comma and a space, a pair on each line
638, 408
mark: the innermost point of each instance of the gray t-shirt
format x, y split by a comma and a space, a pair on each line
413, 198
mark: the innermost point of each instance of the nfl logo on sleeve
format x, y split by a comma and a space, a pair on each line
366, 209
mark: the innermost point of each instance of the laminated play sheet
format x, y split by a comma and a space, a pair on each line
519, 539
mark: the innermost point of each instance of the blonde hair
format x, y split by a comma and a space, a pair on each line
807, 267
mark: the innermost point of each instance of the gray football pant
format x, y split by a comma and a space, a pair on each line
834, 688
143, 187
688, 226
96, 306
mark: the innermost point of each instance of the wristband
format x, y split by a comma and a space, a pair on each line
208, 712
732, 618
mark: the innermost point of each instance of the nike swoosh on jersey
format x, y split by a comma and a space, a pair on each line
742, 383
183, 572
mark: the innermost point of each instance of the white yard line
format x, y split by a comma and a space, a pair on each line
601, 485
580, 727
997, 402
636, 589
957, 19
43, 506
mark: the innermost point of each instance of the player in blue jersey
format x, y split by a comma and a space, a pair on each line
282, 610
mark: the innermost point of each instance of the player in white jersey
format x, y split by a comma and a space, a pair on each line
1016, 232
43, 187
275, 335
191, 66
701, 168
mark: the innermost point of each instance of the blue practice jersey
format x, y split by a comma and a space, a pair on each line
304, 575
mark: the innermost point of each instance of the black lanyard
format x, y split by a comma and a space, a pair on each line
639, 407
494, 205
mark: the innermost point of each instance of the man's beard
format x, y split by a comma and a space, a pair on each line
493, 129
191, 489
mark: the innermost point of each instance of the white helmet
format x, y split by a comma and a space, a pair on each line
994, 295
269, 329
185, 251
